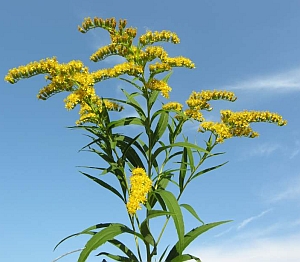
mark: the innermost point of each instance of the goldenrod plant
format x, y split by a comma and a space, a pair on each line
143, 163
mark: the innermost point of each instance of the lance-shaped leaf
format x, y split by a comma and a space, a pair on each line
103, 236
208, 169
173, 207
178, 144
183, 169
178, 248
125, 122
185, 257
192, 211
115, 257
130, 255
104, 184
160, 127
86, 231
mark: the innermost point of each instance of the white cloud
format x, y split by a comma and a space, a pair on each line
284, 82
265, 149
274, 249
250, 219
291, 192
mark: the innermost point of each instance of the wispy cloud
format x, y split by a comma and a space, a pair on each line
250, 219
296, 150
290, 192
243, 224
283, 82
265, 149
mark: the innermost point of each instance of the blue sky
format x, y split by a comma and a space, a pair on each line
249, 47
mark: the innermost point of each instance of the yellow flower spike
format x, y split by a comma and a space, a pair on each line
195, 114
151, 37
140, 186
237, 124
179, 62
160, 86
173, 106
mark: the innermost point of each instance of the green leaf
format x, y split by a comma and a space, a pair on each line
178, 144
131, 82
185, 257
183, 169
86, 231
155, 213
115, 257
132, 102
207, 170
104, 184
153, 97
160, 127
102, 237
172, 205
126, 121
192, 211
167, 77
189, 237
163, 254
191, 159
145, 231
124, 249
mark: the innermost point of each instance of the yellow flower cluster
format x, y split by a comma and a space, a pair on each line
160, 86
63, 77
195, 114
198, 101
237, 124
179, 62
152, 37
173, 106
128, 68
125, 37
104, 52
242, 119
44, 66
109, 24
159, 68
91, 112
152, 52
169, 62
140, 186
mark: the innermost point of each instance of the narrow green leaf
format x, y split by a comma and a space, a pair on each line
192, 211
86, 231
183, 169
185, 257
126, 121
155, 213
160, 127
191, 159
104, 184
145, 231
131, 101
167, 77
189, 237
102, 237
115, 257
153, 97
130, 82
178, 144
163, 254
207, 170
124, 249
172, 205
